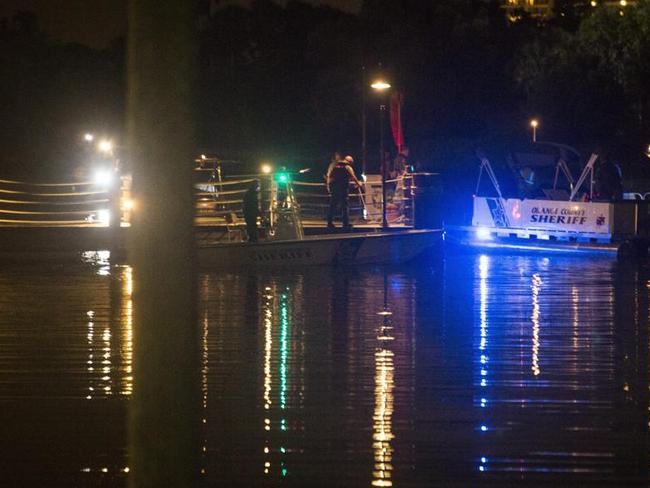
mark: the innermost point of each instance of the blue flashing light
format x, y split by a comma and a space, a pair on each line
484, 460
484, 428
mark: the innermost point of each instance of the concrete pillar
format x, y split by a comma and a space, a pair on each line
163, 413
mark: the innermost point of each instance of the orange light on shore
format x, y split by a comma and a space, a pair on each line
534, 123
380, 85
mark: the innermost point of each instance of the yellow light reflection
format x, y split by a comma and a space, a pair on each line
127, 382
268, 350
383, 414
535, 287
90, 336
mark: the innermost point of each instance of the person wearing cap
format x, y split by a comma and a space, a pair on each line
338, 179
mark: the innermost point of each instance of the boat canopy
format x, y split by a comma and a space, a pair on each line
538, 170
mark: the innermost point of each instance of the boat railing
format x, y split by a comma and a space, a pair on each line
60, 204
364, 205
97, 203
636, 195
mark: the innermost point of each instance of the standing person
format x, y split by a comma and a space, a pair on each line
399, 169
400, 163
609, 179
338, 179
252, 210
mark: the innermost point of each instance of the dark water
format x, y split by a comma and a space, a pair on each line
470, 371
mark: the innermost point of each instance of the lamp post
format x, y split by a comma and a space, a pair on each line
534, 123
381, 86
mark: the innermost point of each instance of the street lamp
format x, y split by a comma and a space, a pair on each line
534, 123
381, 86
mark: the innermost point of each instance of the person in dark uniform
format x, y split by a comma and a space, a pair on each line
252, 210
609, 180
338, 178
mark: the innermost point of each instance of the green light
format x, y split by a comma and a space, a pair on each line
282, 177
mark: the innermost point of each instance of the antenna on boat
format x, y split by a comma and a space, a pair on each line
588, 171
485, 165
562, 166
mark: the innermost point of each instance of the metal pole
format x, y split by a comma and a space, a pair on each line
534, 133
364, 122
384, 220
164, 412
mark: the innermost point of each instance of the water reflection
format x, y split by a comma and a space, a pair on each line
105, 366
276, 315
384, 386
485, 370
552, 417
535, 289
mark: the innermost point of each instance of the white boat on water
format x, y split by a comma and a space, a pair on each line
559, 222
286, 244
353, 248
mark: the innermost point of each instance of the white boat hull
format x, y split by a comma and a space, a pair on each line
485, 240
368, 248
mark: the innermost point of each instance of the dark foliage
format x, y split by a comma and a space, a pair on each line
290, 83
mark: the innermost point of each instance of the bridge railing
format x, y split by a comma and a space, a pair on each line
54, 204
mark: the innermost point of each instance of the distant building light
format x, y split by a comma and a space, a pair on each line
88, 137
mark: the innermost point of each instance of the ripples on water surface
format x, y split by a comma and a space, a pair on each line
490, 371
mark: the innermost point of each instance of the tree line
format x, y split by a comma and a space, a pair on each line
291, 84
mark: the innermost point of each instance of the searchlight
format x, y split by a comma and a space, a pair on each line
103, 177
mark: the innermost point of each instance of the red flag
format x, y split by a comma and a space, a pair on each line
396, 103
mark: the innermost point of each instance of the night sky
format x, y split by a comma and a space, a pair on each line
98, 22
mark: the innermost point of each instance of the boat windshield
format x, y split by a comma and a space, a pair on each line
544, 170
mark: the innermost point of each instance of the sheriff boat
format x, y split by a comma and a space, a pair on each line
563, 220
